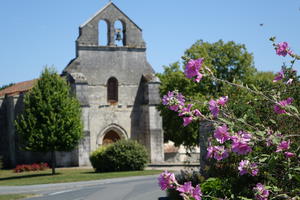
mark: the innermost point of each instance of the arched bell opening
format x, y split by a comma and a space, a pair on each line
120, 33
103, 33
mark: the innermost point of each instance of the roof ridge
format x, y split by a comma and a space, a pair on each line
17, 88
101, 10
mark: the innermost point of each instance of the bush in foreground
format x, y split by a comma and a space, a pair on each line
247, 161
124, 155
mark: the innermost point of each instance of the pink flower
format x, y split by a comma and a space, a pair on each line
254, 169
186, 188
246, 167
197, 113
214, 105
242, 136
222, 134
284, 145
173, 100
241, 148
188, 115
222, 100
220, 153
166, 180
279, 76
240, 143
289, 154
279, 107
260, 192
282, 49
185, 111
214, 108
243, 167
187, 120
210, 152
192, 69
197, 194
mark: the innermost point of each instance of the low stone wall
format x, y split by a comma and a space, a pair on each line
176, 157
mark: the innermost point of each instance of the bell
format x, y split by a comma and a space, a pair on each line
118, 36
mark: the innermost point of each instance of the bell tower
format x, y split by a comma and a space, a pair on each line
110, 14
115, 84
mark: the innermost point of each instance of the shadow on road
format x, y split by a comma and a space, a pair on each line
163, 198
26, 176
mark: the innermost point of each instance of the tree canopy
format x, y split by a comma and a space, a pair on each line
229, 61
51, 120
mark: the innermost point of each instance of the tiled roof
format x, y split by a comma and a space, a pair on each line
18, 88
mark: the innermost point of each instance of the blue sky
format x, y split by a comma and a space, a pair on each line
36, 33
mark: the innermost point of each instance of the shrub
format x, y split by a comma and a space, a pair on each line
97, 158
124, 155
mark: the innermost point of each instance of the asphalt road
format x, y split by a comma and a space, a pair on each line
133, 188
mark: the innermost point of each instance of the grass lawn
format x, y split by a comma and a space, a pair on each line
8, 177
15, 196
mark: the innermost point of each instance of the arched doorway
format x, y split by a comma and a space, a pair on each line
110, 137
111, 134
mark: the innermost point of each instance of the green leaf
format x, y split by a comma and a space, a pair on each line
243, 198
260, 133
294, 109
226, 121
261, 160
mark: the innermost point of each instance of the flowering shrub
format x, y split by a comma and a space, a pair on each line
32, 167
167, 180
240, 149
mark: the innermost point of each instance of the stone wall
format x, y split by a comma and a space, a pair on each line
11, 147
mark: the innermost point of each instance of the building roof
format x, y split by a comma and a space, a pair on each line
18, 88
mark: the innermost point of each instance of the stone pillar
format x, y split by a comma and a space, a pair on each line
84, 150
206, 129
111, 34
80, 88
155, 122
84, 147
11, 137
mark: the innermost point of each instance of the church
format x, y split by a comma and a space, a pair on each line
115, 85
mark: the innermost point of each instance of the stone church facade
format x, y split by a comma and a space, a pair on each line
116, 87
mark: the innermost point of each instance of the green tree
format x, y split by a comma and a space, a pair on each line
51, 120
229, 61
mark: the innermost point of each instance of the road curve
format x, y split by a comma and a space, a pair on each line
130, 188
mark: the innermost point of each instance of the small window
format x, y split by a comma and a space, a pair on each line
112, 90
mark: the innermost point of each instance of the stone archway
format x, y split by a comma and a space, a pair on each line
111, 134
